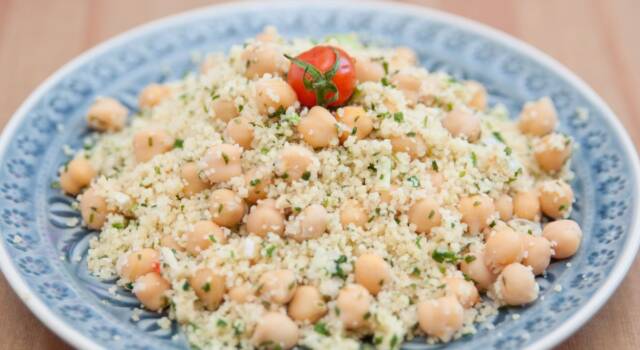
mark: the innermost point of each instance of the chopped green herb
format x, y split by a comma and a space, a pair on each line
254, 182
270, 250
221, 323
321, 328
508, 150
444, 256
394, 341
306, 175
55, 184
414, 181
415, 272
118, 225
264, 150
474, 159
434, 166
339, 271
469, 258
178, 143
498, 136
385, 66
398, 117
225, 157
212, 239
206, 287
185, 286
431, 214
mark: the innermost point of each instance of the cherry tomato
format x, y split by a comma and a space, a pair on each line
326, 82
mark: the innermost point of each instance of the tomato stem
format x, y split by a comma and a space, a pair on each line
321, 84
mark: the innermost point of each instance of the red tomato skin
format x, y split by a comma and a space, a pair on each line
323, 58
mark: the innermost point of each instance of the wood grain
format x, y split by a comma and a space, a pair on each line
597, 39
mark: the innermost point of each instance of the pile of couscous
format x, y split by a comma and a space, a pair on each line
323, 194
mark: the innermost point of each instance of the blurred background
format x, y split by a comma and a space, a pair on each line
597, 39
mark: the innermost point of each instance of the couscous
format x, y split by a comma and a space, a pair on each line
322, 193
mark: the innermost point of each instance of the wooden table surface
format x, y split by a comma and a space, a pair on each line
597, 39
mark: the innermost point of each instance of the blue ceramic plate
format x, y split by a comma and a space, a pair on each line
43, 250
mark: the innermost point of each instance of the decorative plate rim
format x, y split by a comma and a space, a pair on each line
80, 340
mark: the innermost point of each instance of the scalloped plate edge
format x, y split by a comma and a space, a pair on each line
80, 340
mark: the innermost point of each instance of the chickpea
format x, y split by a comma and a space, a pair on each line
503, 247
368, 70
240, 130
294, 162
151, 142
461, 123
465, 291
241, 293
203, 234
353, 302
556, 198
223, 162
307, 305
565, 237
224, 109
269, 34
372, 272
258, 182
227, 208
403, 57
152, 95
275, 329
516, 285
476, 212
425, 215
190, 174
478, 271
526, 205
107, 114
168, 241
358, 122
440, 318
353, 213
313, 222
274, 94
151, 290
262, 58
479, 97
552, 152
263, 219
409, 85
93, 208
138, 263
209, 287
318, 128
76, 175
537, 253
538, 118
504, 206
412, 145
277, 286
